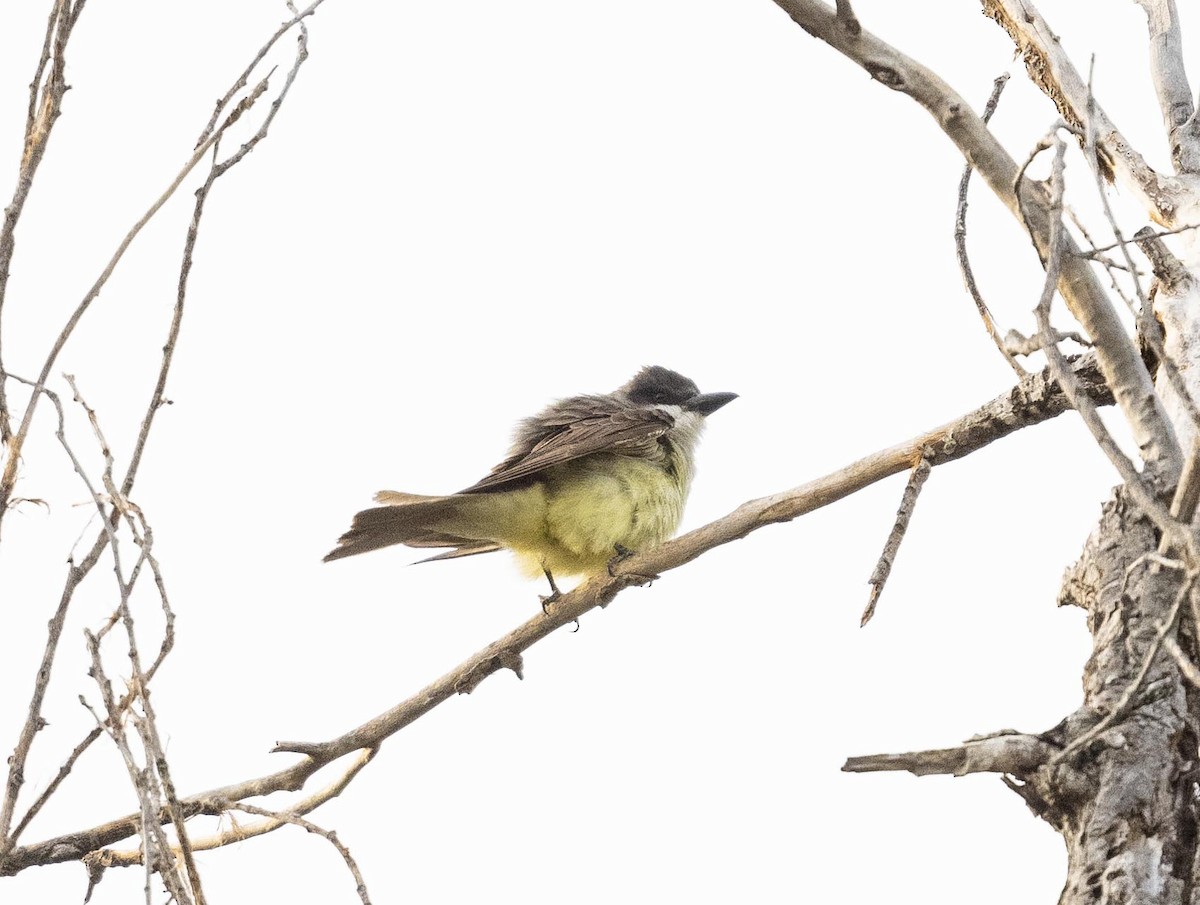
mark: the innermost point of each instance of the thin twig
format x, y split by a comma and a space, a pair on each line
145, 779
1145, 498
45, 106
883, 568
17, 442
215, 804
79, 571
244, 79
960, 243
1149, 328
34, 721
329, 835
1155, 233
154, 840
1110, 266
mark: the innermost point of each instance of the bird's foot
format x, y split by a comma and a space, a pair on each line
623, 553
548, 600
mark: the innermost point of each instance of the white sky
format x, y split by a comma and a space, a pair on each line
463, 211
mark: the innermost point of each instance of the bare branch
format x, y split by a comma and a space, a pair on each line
1148, 230
244, 79
16, 443
7, 479
154, 840
883, 568
63, 772
1051, 70
216, 171
329, 835
34, 722
45, 106
1142, 494
78, 572
1035, 399
1171, 83
960, 244
1149, 328
236, 832
146, 779
1089, 304
1007, 752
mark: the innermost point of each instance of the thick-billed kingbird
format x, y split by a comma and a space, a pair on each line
587, 479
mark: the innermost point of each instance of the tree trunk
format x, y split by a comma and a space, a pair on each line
1130, 826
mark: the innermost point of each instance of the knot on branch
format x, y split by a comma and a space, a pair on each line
886, 75
503, 659
1174, 277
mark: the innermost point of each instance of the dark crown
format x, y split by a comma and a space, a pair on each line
658, 385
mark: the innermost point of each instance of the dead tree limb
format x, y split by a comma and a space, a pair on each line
1036, 399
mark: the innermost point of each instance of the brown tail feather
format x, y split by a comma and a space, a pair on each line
409, 518
416, 521
470, 523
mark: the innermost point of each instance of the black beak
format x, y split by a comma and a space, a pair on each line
707, 403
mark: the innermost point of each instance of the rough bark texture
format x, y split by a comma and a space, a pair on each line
1132, 836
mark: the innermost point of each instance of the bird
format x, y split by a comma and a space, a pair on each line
588, 480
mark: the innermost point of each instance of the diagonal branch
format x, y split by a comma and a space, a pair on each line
1080, 287
46, 93
211, 139
17, 441
1134, 482
1036, 399
883, 567
1051, 70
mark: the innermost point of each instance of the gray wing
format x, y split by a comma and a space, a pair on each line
574, 428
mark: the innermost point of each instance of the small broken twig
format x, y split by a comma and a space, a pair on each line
908, 502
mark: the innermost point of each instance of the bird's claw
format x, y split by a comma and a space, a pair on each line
623, 553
